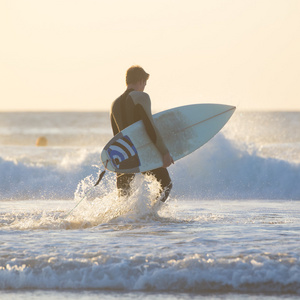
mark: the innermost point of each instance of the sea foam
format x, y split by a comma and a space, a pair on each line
221, 169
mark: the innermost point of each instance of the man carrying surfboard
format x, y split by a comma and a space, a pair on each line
134, 105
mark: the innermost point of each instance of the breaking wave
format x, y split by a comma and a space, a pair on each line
219, 170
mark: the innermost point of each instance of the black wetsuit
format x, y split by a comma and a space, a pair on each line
124, 112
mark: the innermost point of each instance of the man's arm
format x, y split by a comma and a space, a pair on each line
143, 106
167, 160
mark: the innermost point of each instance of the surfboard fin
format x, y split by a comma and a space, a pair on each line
100, 177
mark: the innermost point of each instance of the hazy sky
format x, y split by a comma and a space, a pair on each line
73, 54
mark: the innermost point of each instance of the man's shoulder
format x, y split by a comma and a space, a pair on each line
139, 97
122, 97
139, 94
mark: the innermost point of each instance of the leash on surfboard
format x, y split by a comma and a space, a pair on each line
89, 191
84, 197
102, 174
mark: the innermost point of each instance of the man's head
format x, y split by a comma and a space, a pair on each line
136, 77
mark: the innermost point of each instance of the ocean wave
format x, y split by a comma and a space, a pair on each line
25, 180
175, 272
221, 169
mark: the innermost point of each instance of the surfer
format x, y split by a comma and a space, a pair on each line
134, 105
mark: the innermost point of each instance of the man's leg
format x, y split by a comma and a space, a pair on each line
163, 177
123, 184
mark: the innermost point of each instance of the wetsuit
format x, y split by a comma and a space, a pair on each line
129, 108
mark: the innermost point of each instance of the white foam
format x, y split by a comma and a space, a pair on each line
93, 206
220, 169
186, 273
224, 170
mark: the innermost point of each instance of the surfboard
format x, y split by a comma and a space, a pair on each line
184, 129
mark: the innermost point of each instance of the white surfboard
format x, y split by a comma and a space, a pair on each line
183, 129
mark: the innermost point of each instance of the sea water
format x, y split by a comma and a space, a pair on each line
230, 229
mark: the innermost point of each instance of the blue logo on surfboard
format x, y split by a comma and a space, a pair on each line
123, 154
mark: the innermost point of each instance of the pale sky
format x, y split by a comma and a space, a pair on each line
73, 54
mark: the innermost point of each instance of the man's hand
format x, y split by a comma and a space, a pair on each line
167, 160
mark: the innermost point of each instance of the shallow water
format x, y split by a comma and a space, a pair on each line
190, 246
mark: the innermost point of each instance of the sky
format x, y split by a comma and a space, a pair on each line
72, 55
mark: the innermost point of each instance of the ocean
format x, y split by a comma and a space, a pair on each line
230, 229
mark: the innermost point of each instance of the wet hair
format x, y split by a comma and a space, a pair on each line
135, 74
